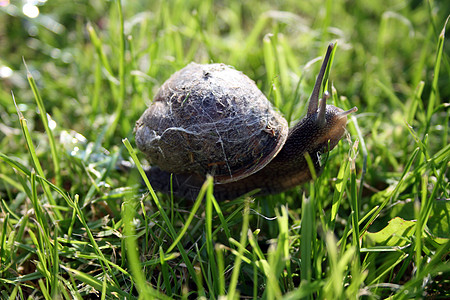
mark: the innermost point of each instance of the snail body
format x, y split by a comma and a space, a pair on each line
212, 119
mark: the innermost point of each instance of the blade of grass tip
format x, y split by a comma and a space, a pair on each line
202, 273
327, 70
35, 161
169, 225
221, 269
432, 102
232, 294
44, 119
121, 98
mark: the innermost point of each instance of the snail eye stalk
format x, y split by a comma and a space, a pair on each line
347, 112
314, 100
322, 108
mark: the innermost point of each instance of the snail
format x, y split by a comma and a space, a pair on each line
213, 119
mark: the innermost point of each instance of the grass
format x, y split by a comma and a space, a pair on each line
374, 224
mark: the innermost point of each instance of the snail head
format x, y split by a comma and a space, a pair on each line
329, 121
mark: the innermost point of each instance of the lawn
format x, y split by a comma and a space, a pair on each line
77, 220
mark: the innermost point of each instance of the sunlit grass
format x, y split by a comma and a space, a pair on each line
73, 224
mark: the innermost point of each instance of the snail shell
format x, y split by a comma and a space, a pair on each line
211, 119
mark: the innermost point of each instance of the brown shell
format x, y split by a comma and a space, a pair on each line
211, 119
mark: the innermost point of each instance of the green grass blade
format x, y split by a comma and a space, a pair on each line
145, 291
307, 227
232, 293
175, 237
35, 160
165, 272
354, 204
393, 194
221, 269
121, 95
48, 130
97, 284
433, 100
101, 258
212, 263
